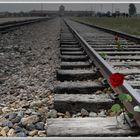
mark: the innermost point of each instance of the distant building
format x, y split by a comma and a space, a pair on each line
61, 10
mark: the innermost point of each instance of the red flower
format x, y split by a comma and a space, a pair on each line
116, 79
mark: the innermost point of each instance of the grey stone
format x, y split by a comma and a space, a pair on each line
52, 113
16, 120
18, 129
45, 100
51, 106
12, 116
25, 131
29, 111
20, 124
78, 114
30, 127
39, 126
7, 123
1, 124
102, 113
20, 114
74, 115
6, 116
36, 113
21, 134
92, 114
84, 112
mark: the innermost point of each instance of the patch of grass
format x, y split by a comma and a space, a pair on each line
129, 25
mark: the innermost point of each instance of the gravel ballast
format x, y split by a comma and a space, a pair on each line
28, 62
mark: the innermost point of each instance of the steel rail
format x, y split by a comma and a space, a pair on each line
107, 70
12, 25
111, 31
16, 21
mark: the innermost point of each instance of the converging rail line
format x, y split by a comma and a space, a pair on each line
12, 25
82, 88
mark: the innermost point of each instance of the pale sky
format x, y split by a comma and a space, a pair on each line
14, 7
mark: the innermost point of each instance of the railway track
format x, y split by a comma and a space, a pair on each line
125, 60
9, 26
82, 93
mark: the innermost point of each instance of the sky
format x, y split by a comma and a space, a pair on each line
17, 7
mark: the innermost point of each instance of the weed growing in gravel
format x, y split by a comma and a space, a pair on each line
103, 55
118, 42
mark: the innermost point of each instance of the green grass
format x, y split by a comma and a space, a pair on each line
129, 25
